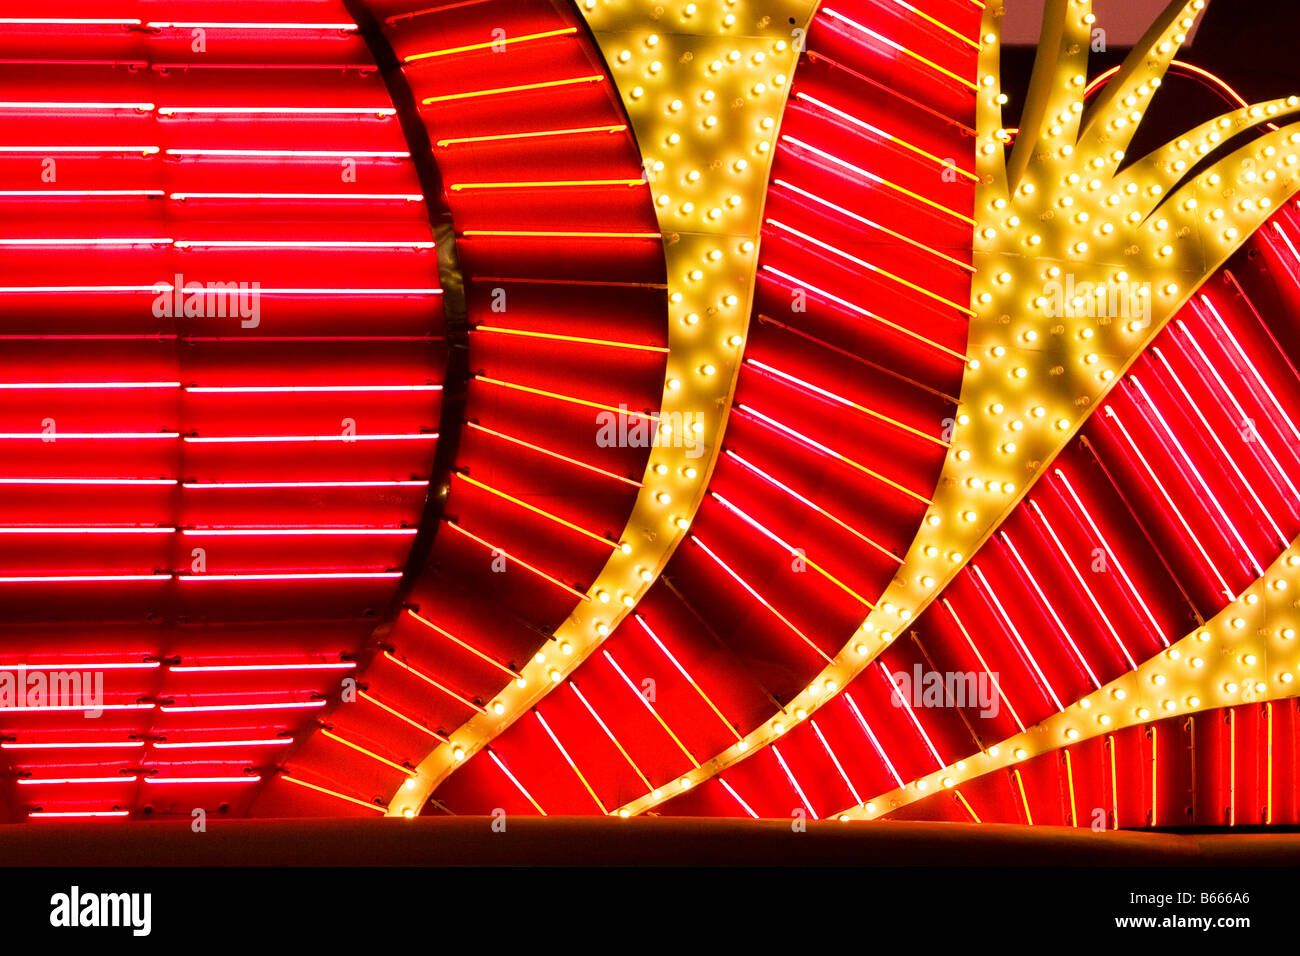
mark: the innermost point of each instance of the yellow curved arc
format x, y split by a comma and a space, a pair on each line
704, 94
1248, 653
1034, 376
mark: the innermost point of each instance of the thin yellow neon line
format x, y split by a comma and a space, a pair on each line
490, 44
570, 338
547, 184
332, 793
500, 137
565, 398
969, 808
373, 756
1024, 799
1069, 780
522, 88
533, 508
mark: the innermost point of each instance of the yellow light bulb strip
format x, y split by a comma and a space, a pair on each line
1248, 653
704, 86
1033, 376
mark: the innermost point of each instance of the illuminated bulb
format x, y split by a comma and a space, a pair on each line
458, 753
498, 708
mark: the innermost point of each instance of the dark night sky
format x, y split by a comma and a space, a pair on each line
1254, 44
